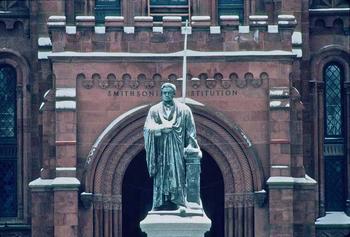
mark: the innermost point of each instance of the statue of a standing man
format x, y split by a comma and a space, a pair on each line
170, 137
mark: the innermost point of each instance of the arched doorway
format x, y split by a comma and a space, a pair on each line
137, 195
227, 145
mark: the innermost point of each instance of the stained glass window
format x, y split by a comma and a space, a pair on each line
8, 142
333, 97
231, 7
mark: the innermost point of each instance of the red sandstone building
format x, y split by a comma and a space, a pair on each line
268, 83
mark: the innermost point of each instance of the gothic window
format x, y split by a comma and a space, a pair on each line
231, 7
334, 138
159, 8
106, 8
8, 142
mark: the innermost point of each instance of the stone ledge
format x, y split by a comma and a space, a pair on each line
333, 220
60, 183
290, 181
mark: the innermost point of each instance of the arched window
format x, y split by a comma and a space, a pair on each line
334, 138
8, 141
106, 8
231, 7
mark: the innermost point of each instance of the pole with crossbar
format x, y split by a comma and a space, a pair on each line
184, 66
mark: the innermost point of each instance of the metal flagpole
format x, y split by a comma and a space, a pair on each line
184, 66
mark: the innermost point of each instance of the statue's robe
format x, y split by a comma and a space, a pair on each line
165, 151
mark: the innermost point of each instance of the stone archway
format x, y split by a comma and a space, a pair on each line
225, 142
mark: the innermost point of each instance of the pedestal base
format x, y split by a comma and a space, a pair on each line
175, 224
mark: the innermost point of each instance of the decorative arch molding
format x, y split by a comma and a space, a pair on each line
21, 66
123, 139
327, 54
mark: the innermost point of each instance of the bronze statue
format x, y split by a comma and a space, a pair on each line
172, 152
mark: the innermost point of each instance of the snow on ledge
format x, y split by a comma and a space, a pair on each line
184, 30
65, 105
157, 29
44, 54
189, 53
297, 38
330, 10
71, 30
272, 28
66, 92
280, 180
215, 30
243, 29
229, 17
44, 42
333, 218
200, 18
100, 29
129, 29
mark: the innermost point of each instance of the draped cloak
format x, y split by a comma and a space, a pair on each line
165, 151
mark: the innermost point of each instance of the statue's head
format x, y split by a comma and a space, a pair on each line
168, 91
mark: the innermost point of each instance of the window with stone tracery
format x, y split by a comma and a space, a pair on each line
334, 138
8, 142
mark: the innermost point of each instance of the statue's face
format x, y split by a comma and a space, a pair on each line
167, 94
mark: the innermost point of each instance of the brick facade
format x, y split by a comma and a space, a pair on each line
255, 87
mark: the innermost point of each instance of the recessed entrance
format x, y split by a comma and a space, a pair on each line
137, 195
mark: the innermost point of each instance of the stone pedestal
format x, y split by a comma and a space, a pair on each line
178, 223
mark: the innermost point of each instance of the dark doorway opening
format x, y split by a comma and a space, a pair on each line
137, 195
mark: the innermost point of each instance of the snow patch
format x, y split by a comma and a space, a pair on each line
279, 166
275, 103
65, 92
334, 218
286, 17
243, 29
215, 30
57, 18
63, 105
129, 29
71, 30
257, 17
172, 18
66, 168
190, 53
157, 29
272, 28
100, 29
65, 181
114, 18
297, 38
56, 23
85, 18
143, 18
279, 91
229, 17
298, 52
188, 31
44, 41
44, 54
330, 10
200, 18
